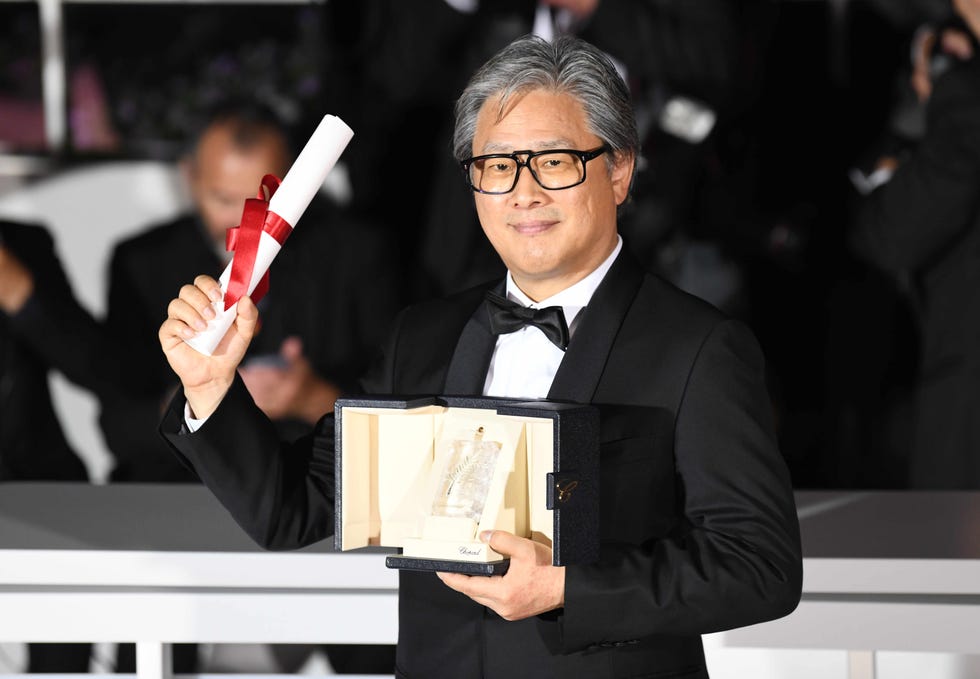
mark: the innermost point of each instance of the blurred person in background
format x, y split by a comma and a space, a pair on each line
42, 328
921, 224
298, 365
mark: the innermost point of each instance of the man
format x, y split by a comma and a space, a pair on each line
42, 327
697, 520
297, 365
923, 227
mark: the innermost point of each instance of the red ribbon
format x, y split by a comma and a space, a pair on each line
244, 241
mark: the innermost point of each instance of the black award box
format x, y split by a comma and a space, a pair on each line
429, 474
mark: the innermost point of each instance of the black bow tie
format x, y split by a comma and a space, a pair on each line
507, 316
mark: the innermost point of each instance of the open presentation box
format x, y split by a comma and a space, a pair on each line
429, 474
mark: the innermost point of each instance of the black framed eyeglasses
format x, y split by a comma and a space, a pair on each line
553, 169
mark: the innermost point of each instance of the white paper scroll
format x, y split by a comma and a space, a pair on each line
290, 200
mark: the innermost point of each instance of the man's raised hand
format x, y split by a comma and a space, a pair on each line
205, 379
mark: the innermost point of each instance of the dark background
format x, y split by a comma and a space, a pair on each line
838, 336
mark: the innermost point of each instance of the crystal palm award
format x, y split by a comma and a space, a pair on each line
464, 470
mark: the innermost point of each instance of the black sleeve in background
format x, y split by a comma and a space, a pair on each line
51, 332
133, 326
130, 414
932, 198
54, 323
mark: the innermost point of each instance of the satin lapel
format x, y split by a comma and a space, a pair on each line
471, 359
579, 373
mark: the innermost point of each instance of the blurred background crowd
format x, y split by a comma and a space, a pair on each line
809, 166
762, 124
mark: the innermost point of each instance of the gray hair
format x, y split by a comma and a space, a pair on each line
569, 65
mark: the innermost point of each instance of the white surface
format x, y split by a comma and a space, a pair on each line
919, 615
235, 570
153, 598
155, 655
53, 70
763, 663
300, 616
878, 576
230, 597
929, 626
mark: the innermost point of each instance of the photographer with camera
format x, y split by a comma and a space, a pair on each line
921, 224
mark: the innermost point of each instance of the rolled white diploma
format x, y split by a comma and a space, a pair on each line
290, 201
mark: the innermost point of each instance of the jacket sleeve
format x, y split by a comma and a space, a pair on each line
932, 198
281, 494
734, 559
56, 325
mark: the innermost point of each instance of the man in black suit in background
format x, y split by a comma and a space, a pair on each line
297, 365
697, 520
42, 328
923, 228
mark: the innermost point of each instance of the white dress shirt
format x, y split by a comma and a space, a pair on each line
524, 362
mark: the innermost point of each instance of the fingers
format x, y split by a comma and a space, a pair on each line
531, 586
505, 543
887, 163
465, 584
194, 306
172, 332
208, 286
247, 319
191, 310
192, 316
957, 43
291, 348
921, 85
920, 80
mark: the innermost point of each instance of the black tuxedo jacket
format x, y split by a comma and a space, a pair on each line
52, 331
698, 524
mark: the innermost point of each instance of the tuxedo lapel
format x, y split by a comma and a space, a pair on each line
579, 373
471, 358
581, 368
